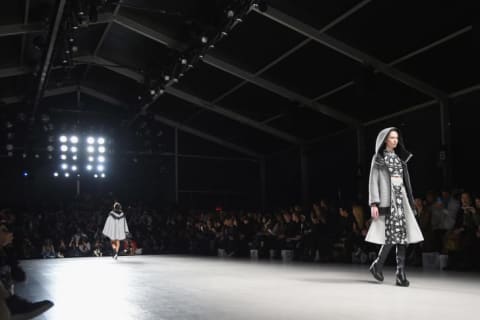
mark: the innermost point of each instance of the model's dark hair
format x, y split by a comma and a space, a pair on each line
117, 206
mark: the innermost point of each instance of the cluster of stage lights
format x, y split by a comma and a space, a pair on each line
74, 151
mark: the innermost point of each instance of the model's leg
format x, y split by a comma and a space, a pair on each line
401, 277
377, 265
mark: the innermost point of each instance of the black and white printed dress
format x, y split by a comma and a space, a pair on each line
395, 222
116, 227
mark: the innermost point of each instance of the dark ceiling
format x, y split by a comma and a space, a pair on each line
283, 73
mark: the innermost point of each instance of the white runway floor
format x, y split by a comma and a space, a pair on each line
174, 287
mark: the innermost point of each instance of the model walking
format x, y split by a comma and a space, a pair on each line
116, 228
391, 202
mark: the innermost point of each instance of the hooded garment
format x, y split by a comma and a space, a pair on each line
116, 227
380, 190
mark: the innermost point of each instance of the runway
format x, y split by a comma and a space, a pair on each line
178, 287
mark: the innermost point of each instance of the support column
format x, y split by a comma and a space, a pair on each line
263, 183
304, 177
176, 164
445, 155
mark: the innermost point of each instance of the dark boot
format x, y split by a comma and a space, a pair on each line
376, 267
401, 277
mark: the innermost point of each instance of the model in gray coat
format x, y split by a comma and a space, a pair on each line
391, 202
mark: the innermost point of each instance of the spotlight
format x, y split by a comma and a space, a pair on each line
101, 149
95, 176
24, 155
74, 168
10, 154
74, 139
67, 174
89, 167
184, 61
63, 139
101, 140
25, 174
102, 175
167, 77
204, 39
90, 140
74, 157
49, 148
9, 147
230, 13
64, 148
73, 149
90, 149
50, 157
63, 157
64, 166
55, 174
37, 156
101, 159
100, 168
152, 92
91, 159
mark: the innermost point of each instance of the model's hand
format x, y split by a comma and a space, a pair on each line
374, 212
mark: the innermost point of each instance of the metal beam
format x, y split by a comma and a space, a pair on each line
423, 105
232, 115
13, 72
265, 84
24, 36
48, 56
223, 65
102, 96
196, 101
206, 136
351, 52
19, 29
403, 58
303, 43
104, 35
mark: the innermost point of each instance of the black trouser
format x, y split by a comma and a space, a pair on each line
400, 255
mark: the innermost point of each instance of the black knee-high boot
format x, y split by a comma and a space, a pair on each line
401, 277
377, 265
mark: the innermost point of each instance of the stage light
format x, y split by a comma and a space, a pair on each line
167, 77
89, 167
10, 154
90, 149
49, 148
101, 140
101, 149
73, 149
152, 92
37, 156
63, 157
55, 174
67, 174
50, 157
9, 147
74, 139
184, 61
74, 157
24, 155
95, 176
91, 159
25, 174
230, 13
102, 175
204, 39
100, 168
101, 159
64, 166
74, 168
63, 148
63, 139
90, 140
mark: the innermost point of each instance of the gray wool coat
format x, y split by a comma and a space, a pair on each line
379, 181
